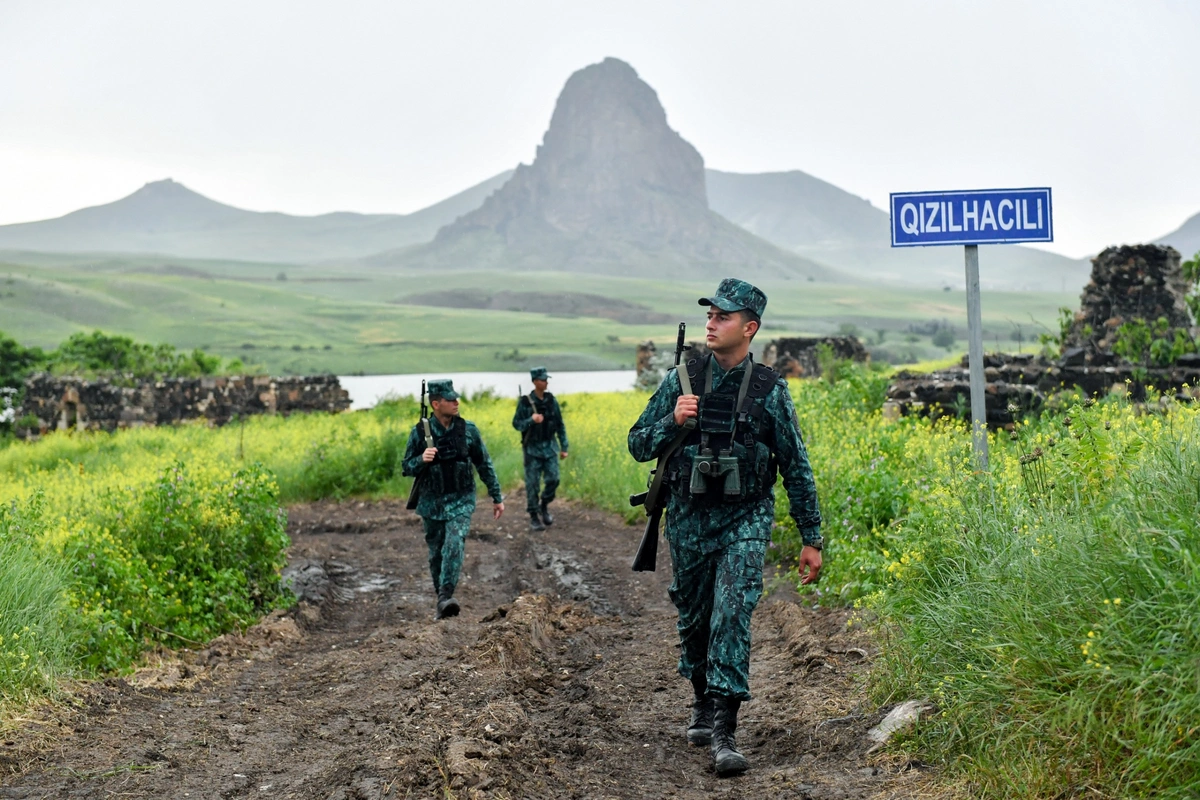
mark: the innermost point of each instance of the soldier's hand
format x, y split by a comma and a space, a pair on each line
429, 455
538, 418
563, 454
497, 510
686, 406
810, 562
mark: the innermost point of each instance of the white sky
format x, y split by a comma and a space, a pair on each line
389, 106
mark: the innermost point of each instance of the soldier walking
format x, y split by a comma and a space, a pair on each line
720, 506
540, 421
446, 484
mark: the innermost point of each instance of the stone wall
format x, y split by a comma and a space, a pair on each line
1024, 382
62, 403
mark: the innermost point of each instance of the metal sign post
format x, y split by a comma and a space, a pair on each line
972, 218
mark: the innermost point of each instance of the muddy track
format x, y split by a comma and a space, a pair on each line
557, 681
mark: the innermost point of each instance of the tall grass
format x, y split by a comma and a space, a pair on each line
35, 624
1049, 609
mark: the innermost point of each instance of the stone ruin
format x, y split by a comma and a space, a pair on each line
62, 403
793, 357
1129, 282
799, 357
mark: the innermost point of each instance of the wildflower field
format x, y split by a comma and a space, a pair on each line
1046, 607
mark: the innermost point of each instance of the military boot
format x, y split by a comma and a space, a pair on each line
726, 757
535, 522
447, 606
700, 729
547, 517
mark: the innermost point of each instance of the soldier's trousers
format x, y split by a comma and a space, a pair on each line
538, 468
446, 540
715, 594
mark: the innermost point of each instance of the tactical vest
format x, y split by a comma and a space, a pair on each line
727, 458
544, 432
450, 472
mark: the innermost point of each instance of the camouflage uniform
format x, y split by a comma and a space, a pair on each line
444, 509
538, 444
718, 549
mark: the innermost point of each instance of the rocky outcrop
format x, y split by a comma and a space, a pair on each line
613, 190
75, 403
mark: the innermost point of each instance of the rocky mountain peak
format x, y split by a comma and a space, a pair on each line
608, 159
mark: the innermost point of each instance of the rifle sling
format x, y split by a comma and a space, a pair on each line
660, 471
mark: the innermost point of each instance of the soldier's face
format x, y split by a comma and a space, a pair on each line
727, 330
445, 408
540, 384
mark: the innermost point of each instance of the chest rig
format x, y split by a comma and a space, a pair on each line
451, 471
726, 459
544, 432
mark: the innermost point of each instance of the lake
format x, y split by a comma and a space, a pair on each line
366, 390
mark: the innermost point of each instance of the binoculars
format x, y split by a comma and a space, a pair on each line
705, 466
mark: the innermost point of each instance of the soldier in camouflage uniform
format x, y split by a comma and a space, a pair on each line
718, 516
539, 419
447, 488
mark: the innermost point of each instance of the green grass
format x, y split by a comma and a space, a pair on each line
329, 319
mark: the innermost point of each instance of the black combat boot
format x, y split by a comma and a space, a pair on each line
700, 729
726, 757
447, 606
547, 517
535, 522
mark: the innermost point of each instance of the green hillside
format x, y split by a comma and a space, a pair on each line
318, 320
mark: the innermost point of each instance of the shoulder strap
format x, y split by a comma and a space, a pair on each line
763, 381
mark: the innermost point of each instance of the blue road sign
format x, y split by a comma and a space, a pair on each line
986, 216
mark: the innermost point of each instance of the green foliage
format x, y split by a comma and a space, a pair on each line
1048, 608
16, 362
1191, 273
98, 353
944, 338
183, 560
1052, 344
35, 622
1157, 344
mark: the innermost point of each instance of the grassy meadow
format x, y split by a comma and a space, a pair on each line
332, 319
1046, 608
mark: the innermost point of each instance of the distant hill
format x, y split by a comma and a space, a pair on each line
613, 191
820, 221
168, 218
1185, 238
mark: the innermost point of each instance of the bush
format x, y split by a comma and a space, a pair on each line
184, 560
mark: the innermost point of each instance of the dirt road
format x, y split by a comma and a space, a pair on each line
557, 681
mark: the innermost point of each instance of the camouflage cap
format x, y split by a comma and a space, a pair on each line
443, 388
539, 374
734, 295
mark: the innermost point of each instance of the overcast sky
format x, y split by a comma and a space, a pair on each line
388, 106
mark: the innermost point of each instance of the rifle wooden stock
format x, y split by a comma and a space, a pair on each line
646, 558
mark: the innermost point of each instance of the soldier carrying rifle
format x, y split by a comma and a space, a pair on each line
720, 506
442, 454
540, 421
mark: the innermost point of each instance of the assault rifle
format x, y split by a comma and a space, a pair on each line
525, 434
654, 498
414, 494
